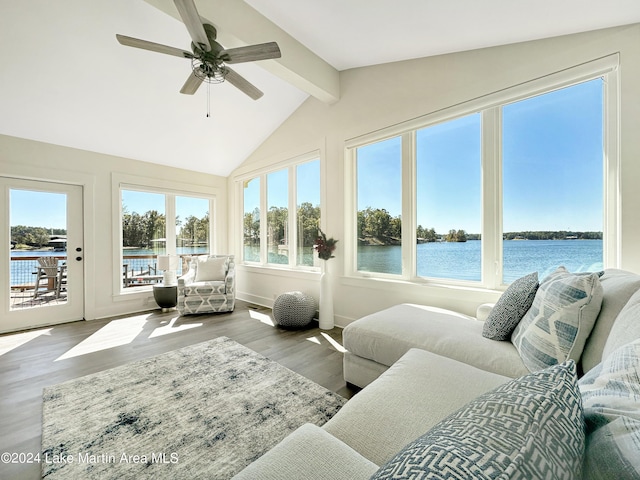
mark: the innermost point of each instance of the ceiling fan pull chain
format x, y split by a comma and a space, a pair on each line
208, 100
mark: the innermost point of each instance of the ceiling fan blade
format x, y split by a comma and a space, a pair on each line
251, 53
191, 85
154, 47
191, 18
242, 84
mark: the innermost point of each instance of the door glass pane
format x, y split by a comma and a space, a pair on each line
379, 206
553, 182
251, 220
38, 222
449, 199
308, 204
278, 217
192, 227
143, 237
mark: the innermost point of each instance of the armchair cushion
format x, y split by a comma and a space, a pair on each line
205, 288
211, 268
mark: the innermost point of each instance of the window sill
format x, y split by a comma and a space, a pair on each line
402, 284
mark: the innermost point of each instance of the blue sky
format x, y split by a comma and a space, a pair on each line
552, 167
49, 209
142, 202
38, 209
308, 187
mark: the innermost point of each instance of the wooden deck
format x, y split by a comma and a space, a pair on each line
23, 298
34, 359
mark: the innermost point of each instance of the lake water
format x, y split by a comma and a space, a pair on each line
462, 261
459, 261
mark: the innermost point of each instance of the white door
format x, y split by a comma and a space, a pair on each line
41, 265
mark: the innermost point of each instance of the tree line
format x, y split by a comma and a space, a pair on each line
377, 226
34, 236
308, 218
140, 231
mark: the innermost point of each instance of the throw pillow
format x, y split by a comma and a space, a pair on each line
211, 269
530, 427
611, 397
510, 308
560, 319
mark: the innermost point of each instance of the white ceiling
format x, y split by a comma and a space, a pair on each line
65, 80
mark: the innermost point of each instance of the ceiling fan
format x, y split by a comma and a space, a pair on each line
208, 58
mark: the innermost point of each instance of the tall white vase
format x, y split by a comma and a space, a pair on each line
326, 298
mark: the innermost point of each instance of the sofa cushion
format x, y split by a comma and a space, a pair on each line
626, 328
558, 323
408, 399
531, 427
310, 453
386, 335
211, 268
510, 308
618, 287
611, 399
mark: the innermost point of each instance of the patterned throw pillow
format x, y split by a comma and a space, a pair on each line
611, 397
561, 318
510, 308
530, 427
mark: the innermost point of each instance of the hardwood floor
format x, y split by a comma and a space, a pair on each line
35, 359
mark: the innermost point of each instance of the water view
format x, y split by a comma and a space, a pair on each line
461, 261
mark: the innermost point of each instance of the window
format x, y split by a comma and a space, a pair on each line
155, 223
519, 181
553, 181
379, 169
278, 217
251, 221
308, 210
289, 210
192, 226
448, 206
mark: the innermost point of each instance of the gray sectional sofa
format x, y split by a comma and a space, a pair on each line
443, 401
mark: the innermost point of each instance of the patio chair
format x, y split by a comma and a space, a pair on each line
46, 269
208, 286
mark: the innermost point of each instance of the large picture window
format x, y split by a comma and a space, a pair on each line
287, 202
552, 150
517, 182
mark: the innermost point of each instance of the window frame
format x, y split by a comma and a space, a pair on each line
489, 106
290, 166
170, 192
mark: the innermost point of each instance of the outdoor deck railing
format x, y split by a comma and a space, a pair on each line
23, 271
136, 270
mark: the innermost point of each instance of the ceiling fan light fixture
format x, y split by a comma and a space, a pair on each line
208, 72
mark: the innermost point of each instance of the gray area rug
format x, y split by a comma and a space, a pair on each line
204, 411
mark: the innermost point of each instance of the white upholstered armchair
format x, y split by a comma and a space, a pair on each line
208, 286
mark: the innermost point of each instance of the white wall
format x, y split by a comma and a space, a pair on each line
380, 96
28, 159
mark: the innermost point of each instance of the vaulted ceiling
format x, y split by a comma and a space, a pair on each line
65, 80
